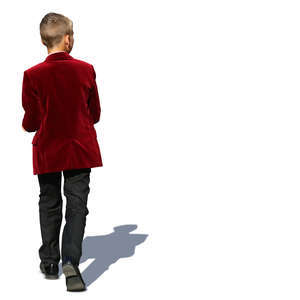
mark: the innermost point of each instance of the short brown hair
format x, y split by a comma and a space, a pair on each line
53, 27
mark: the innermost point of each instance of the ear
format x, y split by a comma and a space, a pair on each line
67, 41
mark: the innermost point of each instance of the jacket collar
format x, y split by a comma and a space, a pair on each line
58, 56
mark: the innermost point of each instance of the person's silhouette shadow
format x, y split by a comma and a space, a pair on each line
107, 249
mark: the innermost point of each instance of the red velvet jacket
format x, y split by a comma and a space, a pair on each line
61, 103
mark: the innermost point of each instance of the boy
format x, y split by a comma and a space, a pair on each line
61, 103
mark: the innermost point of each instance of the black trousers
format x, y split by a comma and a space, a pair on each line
76, 189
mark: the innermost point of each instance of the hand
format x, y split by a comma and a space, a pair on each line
23, 128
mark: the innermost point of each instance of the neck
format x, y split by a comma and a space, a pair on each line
54, 51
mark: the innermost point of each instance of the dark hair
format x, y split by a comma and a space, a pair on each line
53, 27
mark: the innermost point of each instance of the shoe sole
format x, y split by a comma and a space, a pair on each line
51, 276
73, 281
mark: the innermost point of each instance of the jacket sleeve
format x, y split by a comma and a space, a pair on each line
93, 100
30, 103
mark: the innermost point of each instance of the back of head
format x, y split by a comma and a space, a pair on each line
53, 28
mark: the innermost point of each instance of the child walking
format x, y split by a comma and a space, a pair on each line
61, 103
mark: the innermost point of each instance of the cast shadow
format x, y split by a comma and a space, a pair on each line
106, 250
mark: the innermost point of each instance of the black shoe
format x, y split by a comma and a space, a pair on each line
74, 280
50, 270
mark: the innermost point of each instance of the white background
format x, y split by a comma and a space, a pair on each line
199, 134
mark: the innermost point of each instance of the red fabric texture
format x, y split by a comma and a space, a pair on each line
61, 103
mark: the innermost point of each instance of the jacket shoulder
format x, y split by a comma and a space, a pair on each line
82, 62
34, 68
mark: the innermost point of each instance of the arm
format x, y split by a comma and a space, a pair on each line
94, 101
30, 102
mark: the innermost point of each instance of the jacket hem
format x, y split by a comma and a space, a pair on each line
62, 169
